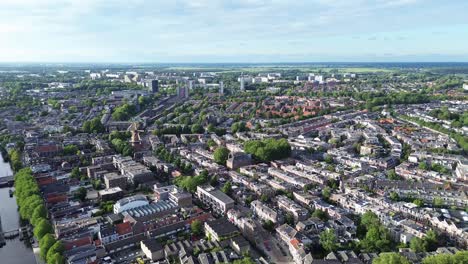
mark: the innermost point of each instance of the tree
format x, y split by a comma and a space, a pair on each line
196, 129
42, 227
329, 159
211, 143
418, 202
190, 183
123, 112
123, 147
210, 128
15, 160
417, 245
320, 214
377, 239
326, 193
123, 135
394, 196
96, 184
54, 255
245, 260
142, 100
328, 240
93, 126
227, 188
438, 202
81, 194
264, 198
196, 227
376, 236
221, 154
47, 241
392, 175
268, 149
289, 219
28, 205
39, 212
269, 225
238, 127
390, 258
423, 165
461, 257
70, 150
75, 173
431, 240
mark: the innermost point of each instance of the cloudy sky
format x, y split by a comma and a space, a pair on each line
233, 30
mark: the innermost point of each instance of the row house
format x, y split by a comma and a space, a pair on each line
266, 213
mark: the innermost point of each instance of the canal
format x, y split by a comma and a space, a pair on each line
15, 251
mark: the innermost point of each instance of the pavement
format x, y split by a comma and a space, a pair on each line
37, 255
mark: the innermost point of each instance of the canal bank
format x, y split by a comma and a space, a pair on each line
15, 251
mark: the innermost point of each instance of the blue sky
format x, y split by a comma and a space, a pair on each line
233, 31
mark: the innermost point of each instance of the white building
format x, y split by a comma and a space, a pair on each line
221, 87
128, 203
266, 213
218, 201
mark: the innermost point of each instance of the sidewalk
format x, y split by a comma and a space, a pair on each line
37, 255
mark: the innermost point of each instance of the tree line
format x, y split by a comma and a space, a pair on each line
32, 209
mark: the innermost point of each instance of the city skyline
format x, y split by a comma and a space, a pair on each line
233, 31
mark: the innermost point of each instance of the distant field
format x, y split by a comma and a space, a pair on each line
364, 70
286, 67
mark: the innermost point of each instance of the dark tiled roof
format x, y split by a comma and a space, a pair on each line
152, 245
222, 227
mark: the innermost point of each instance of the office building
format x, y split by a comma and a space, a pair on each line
221, 87
242, 83
183, 92
153, 86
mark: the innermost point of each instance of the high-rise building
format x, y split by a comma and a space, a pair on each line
153, 86
183, 92
242, 84
190, 84
221, 87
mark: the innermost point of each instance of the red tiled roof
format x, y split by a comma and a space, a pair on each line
295, 242
202, 218
78, 242
124, 228
57, 199
45, 181
47, 148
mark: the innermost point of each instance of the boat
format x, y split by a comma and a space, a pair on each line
10, 192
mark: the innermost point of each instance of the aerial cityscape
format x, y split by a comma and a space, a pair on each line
244, 132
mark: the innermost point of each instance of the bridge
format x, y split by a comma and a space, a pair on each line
11, 234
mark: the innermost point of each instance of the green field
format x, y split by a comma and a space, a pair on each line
283, 68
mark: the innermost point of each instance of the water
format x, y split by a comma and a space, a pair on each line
15, 251
5, 169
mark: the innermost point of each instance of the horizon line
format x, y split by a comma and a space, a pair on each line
227, 62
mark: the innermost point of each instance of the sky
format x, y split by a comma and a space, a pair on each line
177, 31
